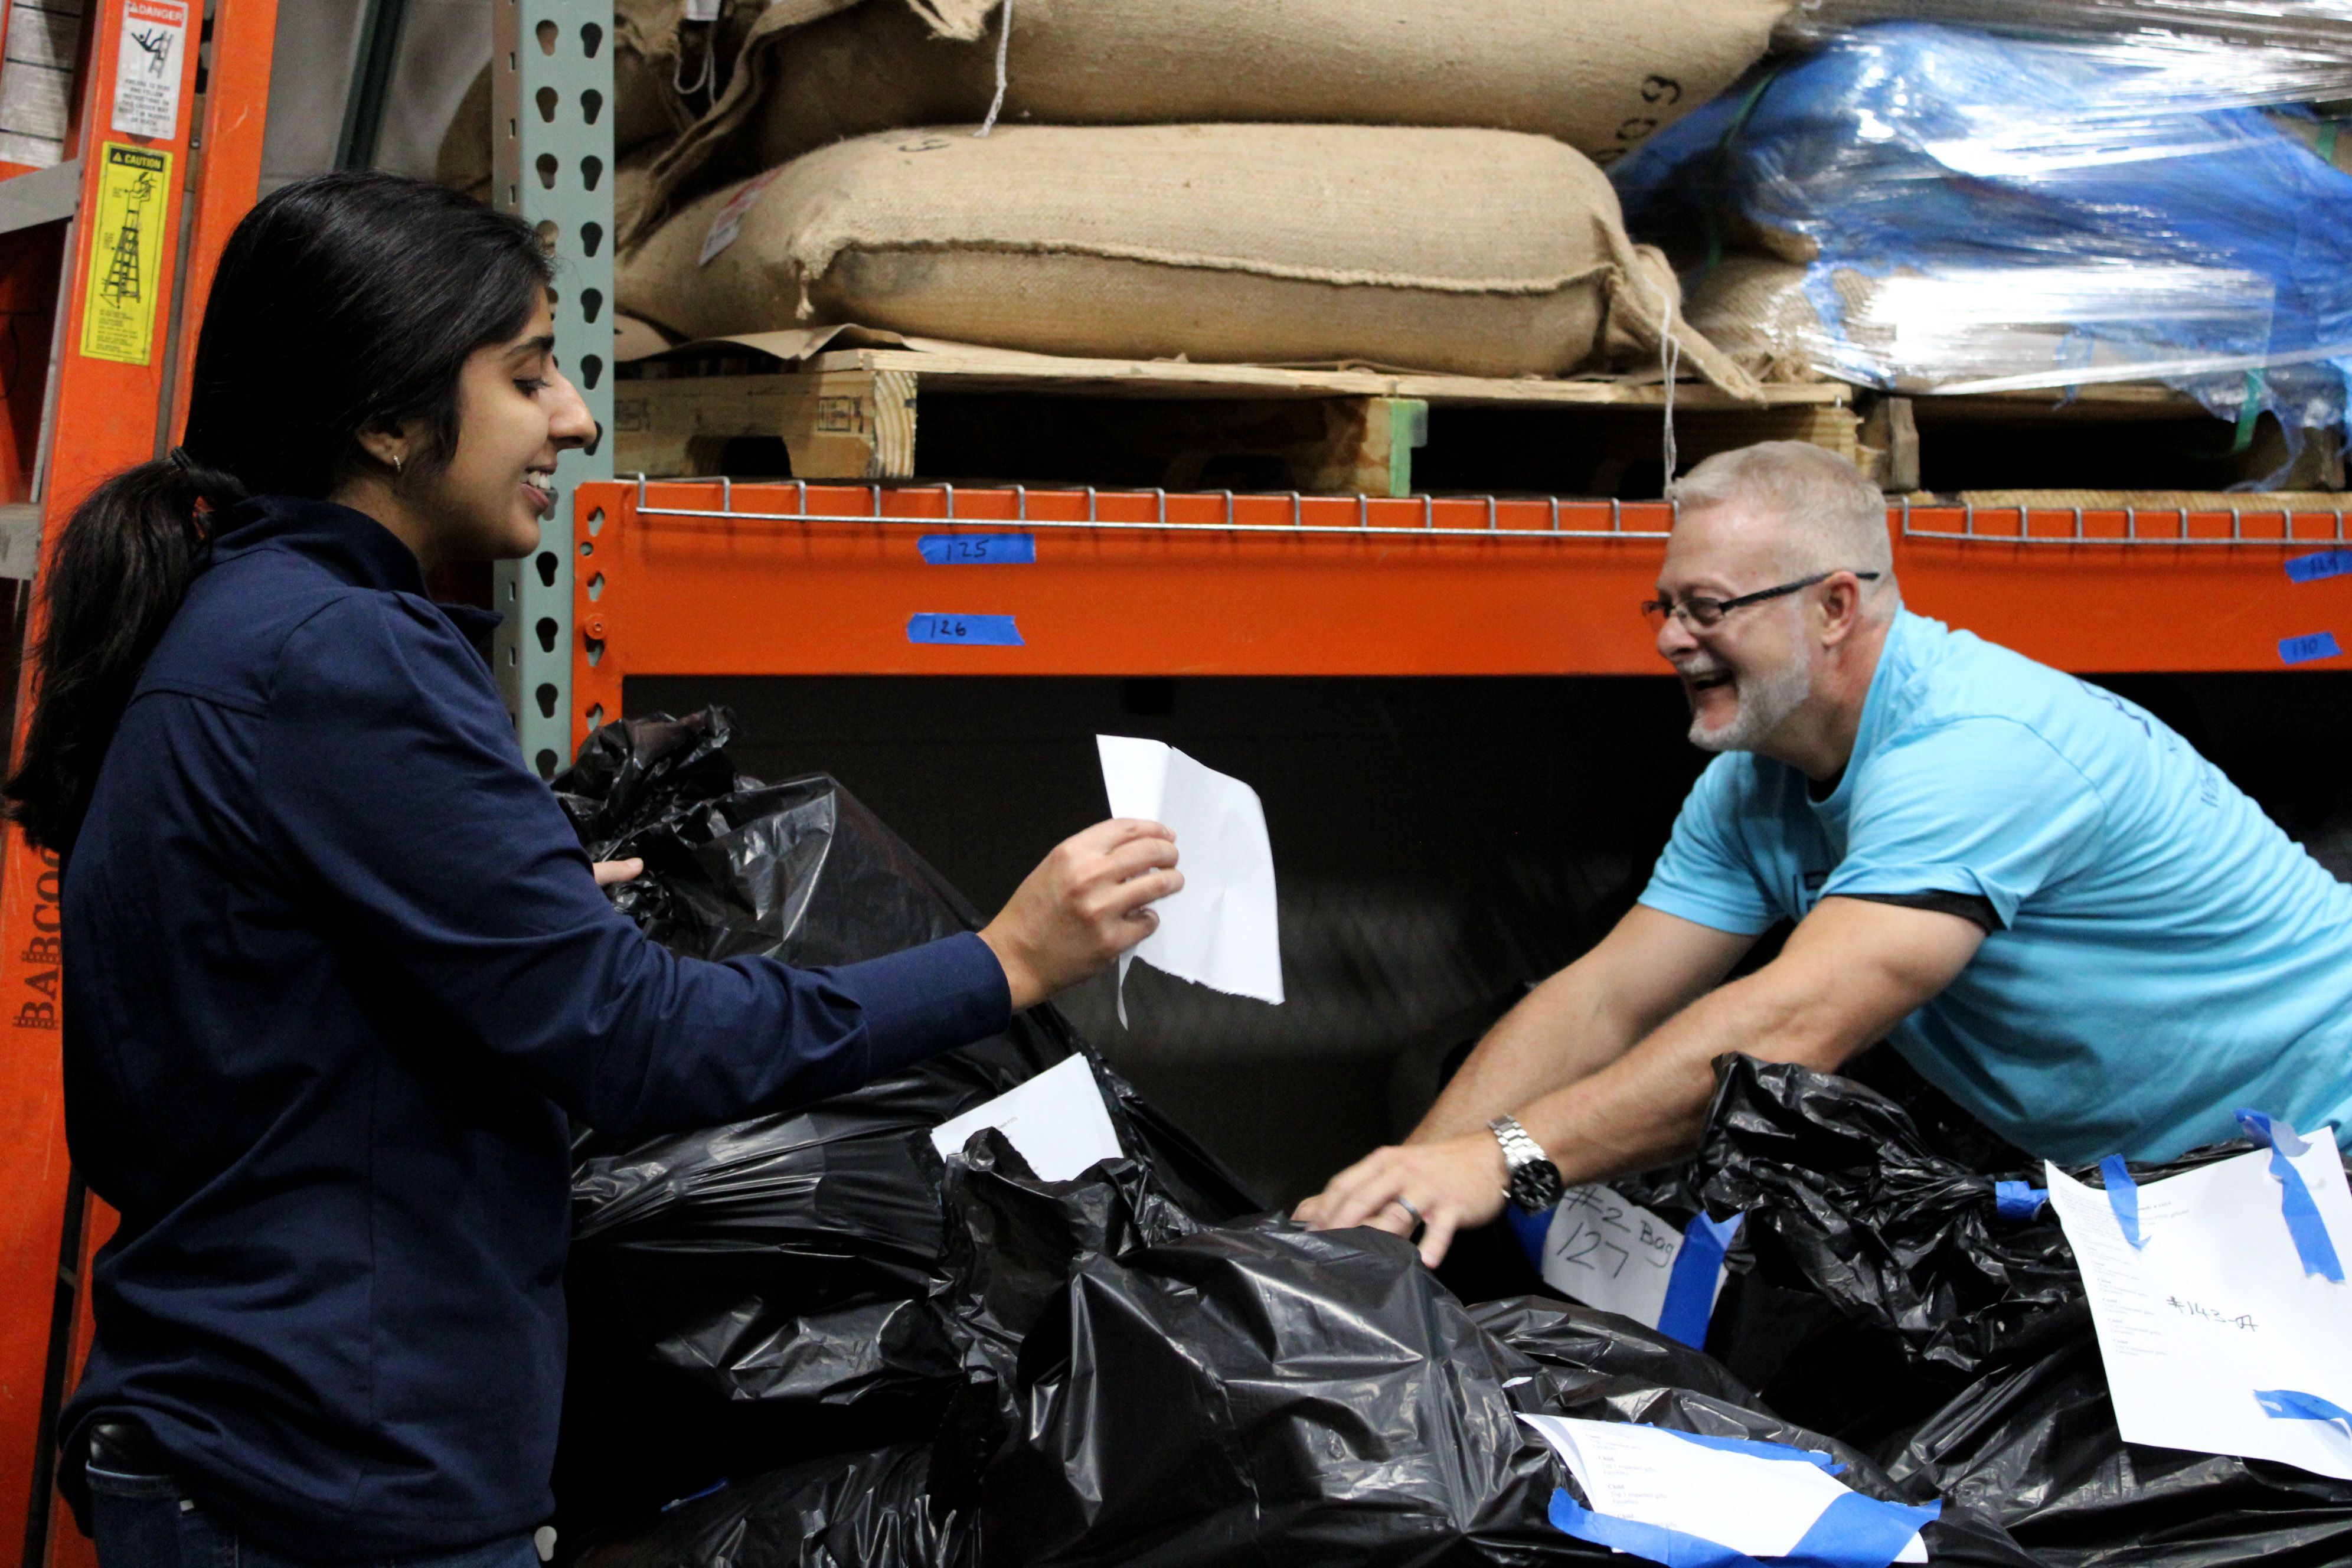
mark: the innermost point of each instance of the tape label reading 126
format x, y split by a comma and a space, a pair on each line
970, 631
126, 255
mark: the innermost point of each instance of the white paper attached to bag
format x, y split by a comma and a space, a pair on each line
1057, 1119
1763, 1507
1220, 930
1606, 1251
2215, 1307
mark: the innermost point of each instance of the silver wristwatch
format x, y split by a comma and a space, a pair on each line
1534, 1181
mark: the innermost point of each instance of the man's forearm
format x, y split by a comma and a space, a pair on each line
1560, 1032
1649, 1106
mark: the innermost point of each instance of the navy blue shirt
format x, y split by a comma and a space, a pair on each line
336, 972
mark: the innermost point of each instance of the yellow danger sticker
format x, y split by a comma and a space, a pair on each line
126, 263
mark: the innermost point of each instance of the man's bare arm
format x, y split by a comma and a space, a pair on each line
1850, 971
1649, 966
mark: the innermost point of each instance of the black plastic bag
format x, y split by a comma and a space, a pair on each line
2035, 1446
1012, 1242
1966, 1338
1264, 1393
747, 1295
864, 1510
1880, 1276
1589, 1357
1837, 1185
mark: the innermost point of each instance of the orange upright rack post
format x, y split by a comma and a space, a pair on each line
114, 245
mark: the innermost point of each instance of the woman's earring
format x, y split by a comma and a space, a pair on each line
396, 460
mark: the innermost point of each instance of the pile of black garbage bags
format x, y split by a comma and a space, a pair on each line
806, 1340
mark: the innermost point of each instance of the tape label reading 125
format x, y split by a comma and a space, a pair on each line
126, 254
979, 549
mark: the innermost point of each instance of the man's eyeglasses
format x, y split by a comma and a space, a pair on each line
1702, 614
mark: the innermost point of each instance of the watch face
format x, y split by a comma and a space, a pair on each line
1536, 1186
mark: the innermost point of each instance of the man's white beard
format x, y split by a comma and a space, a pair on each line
1764, 701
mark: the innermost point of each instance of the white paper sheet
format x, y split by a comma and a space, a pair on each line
2217, 1306
1609, 1252
1761, 1507
1057, 1119
1220, 930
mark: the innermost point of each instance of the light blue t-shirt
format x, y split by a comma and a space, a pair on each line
2166, 955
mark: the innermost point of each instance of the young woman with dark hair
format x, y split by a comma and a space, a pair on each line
336, 970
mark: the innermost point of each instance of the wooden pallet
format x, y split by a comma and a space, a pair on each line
867, 412
843, 404
2113, 438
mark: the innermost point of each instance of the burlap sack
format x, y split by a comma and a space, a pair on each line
1478, 252
1905, 330
1754, 308
1600, 75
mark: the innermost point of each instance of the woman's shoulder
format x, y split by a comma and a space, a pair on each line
262, 632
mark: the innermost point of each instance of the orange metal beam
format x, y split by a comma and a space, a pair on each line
740, 595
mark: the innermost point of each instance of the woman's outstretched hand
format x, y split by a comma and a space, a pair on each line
1082, 907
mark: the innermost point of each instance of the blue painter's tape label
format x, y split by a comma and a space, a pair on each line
979, 549
2326, 563
970, 631
2019, 1200
2304, 649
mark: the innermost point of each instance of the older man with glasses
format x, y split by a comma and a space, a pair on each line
2049, 903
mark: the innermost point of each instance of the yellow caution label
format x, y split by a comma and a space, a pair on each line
126, 258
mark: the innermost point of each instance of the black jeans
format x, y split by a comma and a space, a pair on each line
143, 1521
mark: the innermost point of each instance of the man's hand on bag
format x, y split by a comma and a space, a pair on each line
610, 871
1438, 1188
1082, 907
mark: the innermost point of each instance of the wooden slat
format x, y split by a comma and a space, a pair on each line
975, 369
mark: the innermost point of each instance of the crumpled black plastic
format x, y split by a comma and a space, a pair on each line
1837, 1184
776, 1287
2035, 1446
1878, 1277
1961, 1345
1260, 1392
861, 1510
1146, 1389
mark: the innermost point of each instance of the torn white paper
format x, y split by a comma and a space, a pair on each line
1220, 930
1758, 1506
1057, 1119
1606, 1251
2216, 1307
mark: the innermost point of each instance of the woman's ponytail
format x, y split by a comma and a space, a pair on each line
113, 586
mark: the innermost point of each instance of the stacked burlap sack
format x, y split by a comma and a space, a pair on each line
1399, 183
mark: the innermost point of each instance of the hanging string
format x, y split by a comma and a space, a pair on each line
1004, 50
1670, 366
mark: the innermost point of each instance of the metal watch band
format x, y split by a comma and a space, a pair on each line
1518, 1149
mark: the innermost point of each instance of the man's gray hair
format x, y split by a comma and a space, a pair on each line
1832, 518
